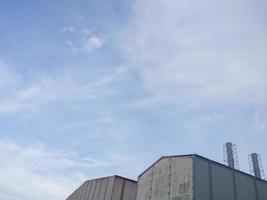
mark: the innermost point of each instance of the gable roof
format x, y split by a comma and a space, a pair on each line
164, 157
203, 158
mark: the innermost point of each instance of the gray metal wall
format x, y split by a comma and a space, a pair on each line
262, 189
169, 178
107, 188
213, 181
189, 177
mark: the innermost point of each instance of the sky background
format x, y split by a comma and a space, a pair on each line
91, 88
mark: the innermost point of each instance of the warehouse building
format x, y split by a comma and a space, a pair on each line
182, 177
193, 177
106, 188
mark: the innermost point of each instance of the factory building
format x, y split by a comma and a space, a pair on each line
193, 177
106, 188
182, 177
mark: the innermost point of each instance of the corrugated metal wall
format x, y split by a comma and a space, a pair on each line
169, 178
107, 188
201, 178
213, 181
262, 189
222, 183
189, 177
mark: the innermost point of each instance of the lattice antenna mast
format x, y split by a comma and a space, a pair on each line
230, 155
255, 166
261, 168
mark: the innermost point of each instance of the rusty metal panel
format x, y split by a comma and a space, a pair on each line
117, 189
160, 184
262, 189
145, 185
181, 182
130, 189
222, 183
245, 187
201, 179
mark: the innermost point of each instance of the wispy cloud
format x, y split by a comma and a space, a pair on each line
66, 87
193, 52
36, 172
85, 40
67, 29
93, 43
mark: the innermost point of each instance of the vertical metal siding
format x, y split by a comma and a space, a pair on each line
109, 188
209, 181
92, 191
97, 189
81, 193
117, 189
76, 194
213, 181
85, 189
222, 180
129, 191
103, 189
245, 187
201, 179
89, 186
262, 189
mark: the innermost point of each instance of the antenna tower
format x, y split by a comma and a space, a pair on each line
230, 156
255, 166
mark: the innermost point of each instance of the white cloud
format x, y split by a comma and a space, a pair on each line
93, 43
65, 87
199, 51
85, 40
34, 172
68, 29
30, 172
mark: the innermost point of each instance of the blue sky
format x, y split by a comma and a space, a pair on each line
93, 88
